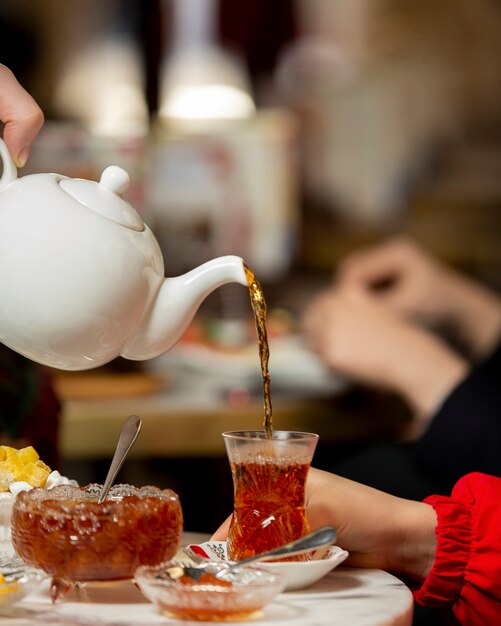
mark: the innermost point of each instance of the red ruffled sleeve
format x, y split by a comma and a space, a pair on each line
466, 574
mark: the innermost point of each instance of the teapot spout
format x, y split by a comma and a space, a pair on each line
177, 301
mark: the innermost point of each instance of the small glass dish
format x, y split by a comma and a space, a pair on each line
65, 532
17, 580
241, 594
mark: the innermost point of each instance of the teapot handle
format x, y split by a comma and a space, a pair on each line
9, 169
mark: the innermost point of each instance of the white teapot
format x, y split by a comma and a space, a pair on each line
82, 277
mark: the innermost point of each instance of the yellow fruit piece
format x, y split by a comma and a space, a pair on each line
14, 465
6, 452
11, 466
35, 474
6, 587
28, 455
23, 464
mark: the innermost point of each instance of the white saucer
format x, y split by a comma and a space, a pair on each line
299, 574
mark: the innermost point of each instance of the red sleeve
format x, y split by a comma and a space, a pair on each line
466, 574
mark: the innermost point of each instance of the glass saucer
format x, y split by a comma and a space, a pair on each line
17, 580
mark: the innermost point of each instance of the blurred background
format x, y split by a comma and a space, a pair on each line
290, 133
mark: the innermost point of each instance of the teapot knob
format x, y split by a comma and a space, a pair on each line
115, 179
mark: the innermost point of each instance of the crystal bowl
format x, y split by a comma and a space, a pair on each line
67, 534
241, 594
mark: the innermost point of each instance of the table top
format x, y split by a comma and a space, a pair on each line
359, 597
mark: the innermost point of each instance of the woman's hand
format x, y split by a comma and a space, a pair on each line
21, 115
413, 283
358, 336
377, 529
404, 276
221, 533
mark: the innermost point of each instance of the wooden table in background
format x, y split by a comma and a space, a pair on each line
188, 417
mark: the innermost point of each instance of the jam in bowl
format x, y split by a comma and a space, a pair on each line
67, 534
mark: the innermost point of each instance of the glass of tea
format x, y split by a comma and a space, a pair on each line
269, 482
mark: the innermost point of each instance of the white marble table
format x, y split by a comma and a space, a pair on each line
358, 597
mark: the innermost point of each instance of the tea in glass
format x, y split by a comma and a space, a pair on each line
269, 482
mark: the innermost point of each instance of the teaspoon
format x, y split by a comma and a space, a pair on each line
324, 536
128, 434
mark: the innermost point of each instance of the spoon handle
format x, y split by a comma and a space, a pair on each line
128, 434
322, 537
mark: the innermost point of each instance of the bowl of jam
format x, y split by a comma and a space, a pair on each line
215, 596
66, 533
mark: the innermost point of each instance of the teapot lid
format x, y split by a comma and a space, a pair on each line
105, 197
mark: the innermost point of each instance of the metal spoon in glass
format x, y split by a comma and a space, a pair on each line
128, 434
324, 536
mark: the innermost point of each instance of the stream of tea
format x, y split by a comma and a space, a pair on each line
259, 309
269, 477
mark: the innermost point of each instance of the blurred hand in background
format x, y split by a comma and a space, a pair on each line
363, 338
375, 324
415, 284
